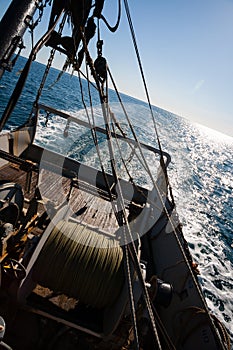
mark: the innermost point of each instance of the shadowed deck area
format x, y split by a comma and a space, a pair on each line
87, 208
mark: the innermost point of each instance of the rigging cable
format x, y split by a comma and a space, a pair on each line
175, 233
126, 261
94, 135
137, 267
133, 254
147, 93
49, 64
121, 210
151, 202
93, 129
127, 234
127, 266
130, 292
162, 160
120, 214
144, 163
120, 200
64, 68
125, 249
22, 79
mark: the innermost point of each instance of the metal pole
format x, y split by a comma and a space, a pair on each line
12, 28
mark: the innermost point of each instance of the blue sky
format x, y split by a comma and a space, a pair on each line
186, 48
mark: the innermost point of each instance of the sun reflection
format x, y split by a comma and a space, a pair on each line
214, 135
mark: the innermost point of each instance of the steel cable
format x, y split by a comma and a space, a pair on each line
81, 263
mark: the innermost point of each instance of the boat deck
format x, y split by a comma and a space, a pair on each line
87, 208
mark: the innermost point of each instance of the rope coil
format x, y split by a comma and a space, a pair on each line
82, 264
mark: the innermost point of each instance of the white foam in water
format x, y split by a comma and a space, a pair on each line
200, 173
201, 177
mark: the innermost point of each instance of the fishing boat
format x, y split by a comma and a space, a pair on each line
90, 258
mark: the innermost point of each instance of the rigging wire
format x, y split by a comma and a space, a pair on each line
162, 164
123, 134
93, 132
142, 159
49, 64
145, 292
125, 248
95, 139
151, 202
22, 79
162, 160
121, 213
122, 218
133, 254
158, 191
134, 258
120, 205
146, 91
155, 185
126, 234
130, 292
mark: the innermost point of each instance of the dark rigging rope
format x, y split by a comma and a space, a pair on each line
22, 79
114, 28
93, 133
122, 218
49, 64
147, 93
120, 214
162, 160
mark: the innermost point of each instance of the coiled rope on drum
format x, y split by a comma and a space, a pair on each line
81, 263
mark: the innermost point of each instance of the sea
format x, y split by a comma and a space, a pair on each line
200, 171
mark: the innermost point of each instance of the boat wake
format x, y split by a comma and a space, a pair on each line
200, 174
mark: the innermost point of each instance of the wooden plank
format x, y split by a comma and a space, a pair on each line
88, 208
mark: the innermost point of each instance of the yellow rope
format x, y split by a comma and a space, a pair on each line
79, 262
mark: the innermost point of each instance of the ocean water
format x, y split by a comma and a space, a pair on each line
200, 171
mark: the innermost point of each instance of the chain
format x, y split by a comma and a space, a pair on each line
50, 60
40, 6
31, 23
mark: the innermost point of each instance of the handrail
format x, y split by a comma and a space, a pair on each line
103, 131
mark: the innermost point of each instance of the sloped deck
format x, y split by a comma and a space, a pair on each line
87, 207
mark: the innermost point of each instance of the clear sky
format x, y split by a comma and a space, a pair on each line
186, 48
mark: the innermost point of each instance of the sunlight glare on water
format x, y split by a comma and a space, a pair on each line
200, 172
201, 178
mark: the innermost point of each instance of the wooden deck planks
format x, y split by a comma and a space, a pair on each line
88, 208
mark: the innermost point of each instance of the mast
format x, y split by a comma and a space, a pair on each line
12, 28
